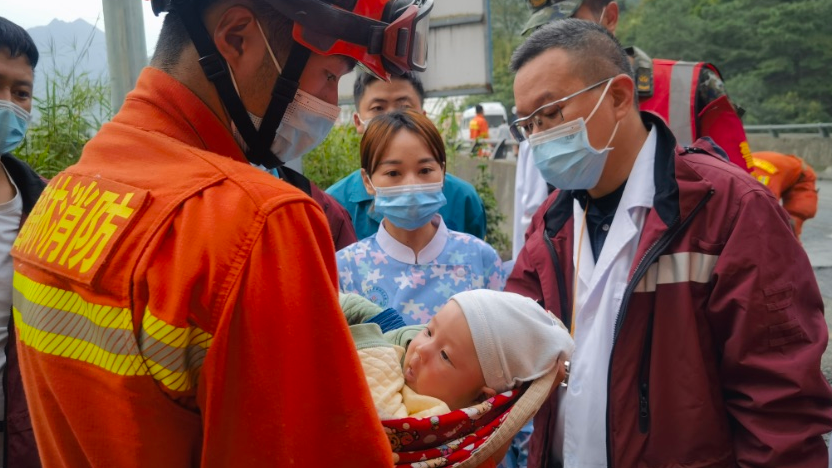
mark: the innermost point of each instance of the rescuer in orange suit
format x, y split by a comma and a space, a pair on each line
478, 128
178, 307
792, 181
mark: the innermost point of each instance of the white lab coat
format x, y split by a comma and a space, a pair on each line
601, 285
530, 191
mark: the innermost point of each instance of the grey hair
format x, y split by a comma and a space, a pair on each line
596, 53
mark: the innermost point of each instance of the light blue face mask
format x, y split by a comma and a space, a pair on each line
305, 125
13, 122
409, 206
564, 156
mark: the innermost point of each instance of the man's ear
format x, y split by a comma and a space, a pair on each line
238, 39
367, 185
610, 19
356, 120
622, 90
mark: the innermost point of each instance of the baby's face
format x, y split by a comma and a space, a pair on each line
442, 362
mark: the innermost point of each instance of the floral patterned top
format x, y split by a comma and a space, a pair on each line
386, 271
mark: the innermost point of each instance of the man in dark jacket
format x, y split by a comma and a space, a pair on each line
20, 187
690, 350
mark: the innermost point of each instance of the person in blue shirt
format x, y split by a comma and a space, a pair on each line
414, 263
464, 211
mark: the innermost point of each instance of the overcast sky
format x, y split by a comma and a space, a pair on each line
30, 13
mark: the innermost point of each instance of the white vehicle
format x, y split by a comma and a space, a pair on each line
495, 115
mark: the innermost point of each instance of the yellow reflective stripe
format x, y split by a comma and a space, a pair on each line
765, 165
54, 298
74, 348
174, 354
61, 323
683, 267
174, 336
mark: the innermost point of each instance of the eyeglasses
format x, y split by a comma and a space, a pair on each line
545, 116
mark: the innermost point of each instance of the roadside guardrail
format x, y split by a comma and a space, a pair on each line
822, 129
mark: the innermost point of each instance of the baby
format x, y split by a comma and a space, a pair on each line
480, 343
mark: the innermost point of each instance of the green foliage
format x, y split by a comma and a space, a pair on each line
774, 54
335, 158
494, 218
448, 126
73, 109
339, 154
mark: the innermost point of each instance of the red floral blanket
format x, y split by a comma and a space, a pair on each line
448, 439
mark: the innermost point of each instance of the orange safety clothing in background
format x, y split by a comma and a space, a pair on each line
792, 181
178, 307
478, 127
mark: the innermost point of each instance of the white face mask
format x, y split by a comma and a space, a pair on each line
601, 18
363, 123
304, 126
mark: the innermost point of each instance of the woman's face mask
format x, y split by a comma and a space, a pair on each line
14, 121
564, 156
409, 206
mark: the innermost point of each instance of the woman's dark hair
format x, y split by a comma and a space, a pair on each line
384, 128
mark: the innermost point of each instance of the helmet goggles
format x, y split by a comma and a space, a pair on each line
389, 37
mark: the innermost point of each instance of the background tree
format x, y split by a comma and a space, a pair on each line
774, 54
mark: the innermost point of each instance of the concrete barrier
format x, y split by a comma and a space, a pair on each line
502, 172
817, 151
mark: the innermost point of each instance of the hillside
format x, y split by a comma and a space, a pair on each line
64, 46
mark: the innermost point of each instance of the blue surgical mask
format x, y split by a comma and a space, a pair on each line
13, 122
564, 156
409, 206
305, 125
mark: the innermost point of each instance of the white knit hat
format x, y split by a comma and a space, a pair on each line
516, 340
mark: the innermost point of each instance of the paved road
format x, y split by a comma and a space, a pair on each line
817, 239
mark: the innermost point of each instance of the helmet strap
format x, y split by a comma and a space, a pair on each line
216, 70
283, 93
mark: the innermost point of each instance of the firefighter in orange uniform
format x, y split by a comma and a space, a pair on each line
689, 96
792, 181
478, 130
478, 127
176, 306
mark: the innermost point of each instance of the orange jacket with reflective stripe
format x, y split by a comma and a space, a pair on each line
792, 181
177, 307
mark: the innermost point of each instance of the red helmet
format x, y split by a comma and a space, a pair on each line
387, 36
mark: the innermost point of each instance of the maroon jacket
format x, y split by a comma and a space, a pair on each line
716, 356
340, 222
20, 449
